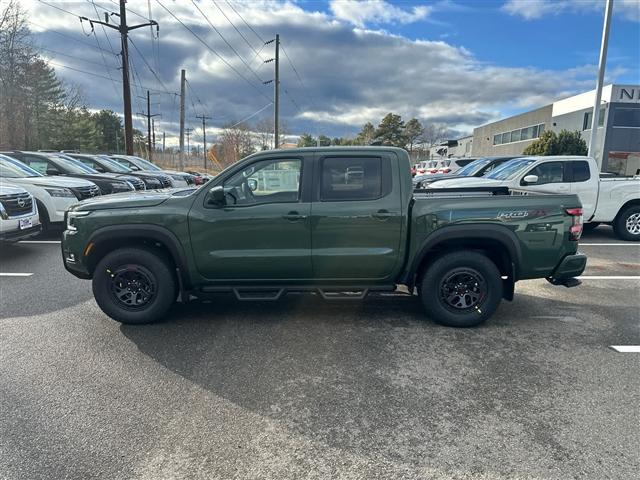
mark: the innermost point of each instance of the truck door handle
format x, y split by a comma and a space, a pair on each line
294, 216
382, 215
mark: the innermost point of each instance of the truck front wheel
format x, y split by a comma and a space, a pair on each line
461, 289
627, 224
134, 285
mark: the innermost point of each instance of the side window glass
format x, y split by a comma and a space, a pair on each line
37, 164
551, 172
269, 181
580, 171
356, 178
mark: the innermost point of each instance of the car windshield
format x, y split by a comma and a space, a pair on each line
70, 164
510, 169
113, 165
474, 167
79, 164
10, 168
146, 165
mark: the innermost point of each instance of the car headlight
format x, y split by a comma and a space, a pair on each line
60, 192
72, 216
122, 186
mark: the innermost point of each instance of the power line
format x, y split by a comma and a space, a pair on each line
74, 57
245, 22
47, 30
235, 28
295, 70
225, 40
213, 51
252, 115
104, 76
148, 66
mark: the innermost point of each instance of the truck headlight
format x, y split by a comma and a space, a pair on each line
60, 192
72, 215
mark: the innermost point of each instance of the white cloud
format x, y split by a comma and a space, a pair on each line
351, 75
534, 9
360, 13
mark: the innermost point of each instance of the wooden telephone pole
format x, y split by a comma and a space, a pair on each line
124, 30
204, 137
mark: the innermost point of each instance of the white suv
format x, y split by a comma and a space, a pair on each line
53, 194
18, 214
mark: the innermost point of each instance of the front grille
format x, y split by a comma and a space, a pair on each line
17, 204
86, 192
166, 181
137, 183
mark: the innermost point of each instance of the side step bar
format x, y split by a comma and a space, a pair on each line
272, 293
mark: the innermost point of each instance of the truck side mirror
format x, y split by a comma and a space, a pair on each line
530, 179
216, 196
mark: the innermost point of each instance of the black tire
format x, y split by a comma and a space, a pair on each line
627, 224
134, 285
479, 283
590, 227
44, 217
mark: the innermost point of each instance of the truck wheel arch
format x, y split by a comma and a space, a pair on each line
109, 238
474, 237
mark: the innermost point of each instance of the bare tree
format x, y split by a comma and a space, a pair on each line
236, 142
264, 129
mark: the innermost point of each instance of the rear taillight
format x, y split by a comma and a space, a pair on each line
433, 170
445, 170
575, 230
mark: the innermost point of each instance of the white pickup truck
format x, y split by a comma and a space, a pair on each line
610, 199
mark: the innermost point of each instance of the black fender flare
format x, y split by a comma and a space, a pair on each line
499, 233
145, 231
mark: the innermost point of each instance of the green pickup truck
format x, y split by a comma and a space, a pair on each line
338, 222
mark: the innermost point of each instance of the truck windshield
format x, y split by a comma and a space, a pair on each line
510, 169
11, 168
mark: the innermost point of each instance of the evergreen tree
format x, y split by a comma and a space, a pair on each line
391, 131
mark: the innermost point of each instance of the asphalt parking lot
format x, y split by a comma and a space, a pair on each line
301, 388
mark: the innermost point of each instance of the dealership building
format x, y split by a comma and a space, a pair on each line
618, 126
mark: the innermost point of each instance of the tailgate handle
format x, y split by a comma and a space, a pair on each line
382, 215
294, 216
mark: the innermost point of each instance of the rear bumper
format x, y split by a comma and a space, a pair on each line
569, 267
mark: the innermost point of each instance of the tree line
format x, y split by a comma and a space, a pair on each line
391, 131
38, 110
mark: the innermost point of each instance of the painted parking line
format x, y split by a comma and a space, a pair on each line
630, 244
44, 242
610, 277
15, 274
626, 348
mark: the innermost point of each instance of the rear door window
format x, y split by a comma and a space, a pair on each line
354, 178
580, 171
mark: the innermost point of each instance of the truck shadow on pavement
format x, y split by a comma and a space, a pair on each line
380, 379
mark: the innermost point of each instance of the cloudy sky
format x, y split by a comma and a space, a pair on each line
344, 62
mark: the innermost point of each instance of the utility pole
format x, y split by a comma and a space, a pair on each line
188, 133
595, 117
276, 96
183, 80
149, 118
153, 132
163, 142
124, 30
204, 137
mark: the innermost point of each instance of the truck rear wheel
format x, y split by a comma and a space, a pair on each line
627, 224
461, 289
134, 285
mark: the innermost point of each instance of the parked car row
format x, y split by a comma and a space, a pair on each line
445, 166
39, 187
613, 200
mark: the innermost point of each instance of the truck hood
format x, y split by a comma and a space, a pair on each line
135, 199
466, 182
54, 181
